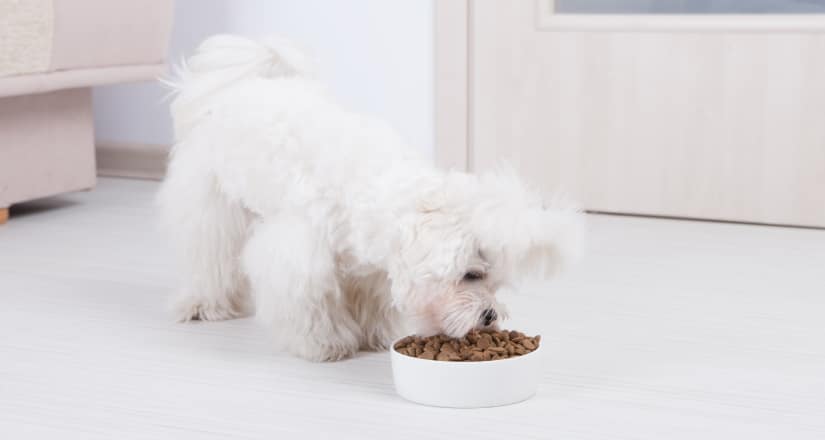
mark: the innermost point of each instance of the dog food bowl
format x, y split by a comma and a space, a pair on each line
466, 384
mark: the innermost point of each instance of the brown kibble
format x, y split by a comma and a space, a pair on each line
443, 356
448, 357
403, 342
476, 346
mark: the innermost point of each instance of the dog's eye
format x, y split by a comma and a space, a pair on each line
474, 276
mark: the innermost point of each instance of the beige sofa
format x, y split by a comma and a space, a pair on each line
51, 53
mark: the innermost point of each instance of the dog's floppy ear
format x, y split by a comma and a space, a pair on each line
434, 245
525, 234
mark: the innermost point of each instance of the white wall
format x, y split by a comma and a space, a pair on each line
377, 56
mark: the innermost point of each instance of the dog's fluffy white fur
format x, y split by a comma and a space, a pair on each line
323, 223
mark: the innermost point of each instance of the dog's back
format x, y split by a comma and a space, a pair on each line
223, 60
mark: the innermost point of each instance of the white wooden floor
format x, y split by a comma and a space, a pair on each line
668, 330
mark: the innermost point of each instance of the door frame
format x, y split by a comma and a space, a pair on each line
452, 84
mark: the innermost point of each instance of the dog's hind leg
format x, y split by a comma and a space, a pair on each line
292, 273
209, 232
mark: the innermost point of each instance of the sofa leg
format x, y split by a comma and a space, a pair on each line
4, 215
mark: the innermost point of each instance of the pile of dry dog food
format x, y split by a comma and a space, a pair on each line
478, 345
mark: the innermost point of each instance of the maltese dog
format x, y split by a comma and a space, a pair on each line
323, 224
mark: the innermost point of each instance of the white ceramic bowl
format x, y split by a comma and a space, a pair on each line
466, 384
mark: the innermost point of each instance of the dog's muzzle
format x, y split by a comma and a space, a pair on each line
488, 316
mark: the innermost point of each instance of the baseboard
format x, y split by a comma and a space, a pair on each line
140, 161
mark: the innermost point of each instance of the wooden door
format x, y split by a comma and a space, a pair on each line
703, 115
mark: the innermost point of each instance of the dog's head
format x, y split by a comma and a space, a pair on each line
470, 236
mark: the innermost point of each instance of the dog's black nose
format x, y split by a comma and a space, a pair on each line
488, 316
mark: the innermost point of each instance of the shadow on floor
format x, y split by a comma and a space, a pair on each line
39, 206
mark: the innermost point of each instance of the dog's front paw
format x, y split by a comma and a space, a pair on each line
326, 352
331, 344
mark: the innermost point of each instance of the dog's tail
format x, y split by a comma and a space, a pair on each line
221, 60
269, 57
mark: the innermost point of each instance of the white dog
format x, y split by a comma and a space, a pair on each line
323, 222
